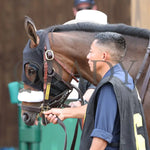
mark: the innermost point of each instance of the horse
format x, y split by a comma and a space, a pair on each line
61, 50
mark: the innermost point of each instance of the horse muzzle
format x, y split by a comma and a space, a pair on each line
29, 118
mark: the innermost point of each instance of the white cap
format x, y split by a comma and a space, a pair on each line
93, 16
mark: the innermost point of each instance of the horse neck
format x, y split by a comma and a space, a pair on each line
71, 48
136, 49
133, 61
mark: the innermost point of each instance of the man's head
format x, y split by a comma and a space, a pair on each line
107, 48
83, 4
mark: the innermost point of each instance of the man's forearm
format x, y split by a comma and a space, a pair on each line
98, 144
75, 112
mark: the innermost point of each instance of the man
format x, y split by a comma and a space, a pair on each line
114, 117
86, 11
82, 5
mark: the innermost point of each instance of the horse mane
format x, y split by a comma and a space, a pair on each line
92, 27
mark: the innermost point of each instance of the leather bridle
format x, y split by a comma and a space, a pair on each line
49, 74
58, 100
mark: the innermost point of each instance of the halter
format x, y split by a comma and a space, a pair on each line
58, 100
49, 73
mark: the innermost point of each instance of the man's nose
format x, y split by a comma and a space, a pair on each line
88, 56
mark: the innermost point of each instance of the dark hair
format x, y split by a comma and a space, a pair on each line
77, 2
114, 41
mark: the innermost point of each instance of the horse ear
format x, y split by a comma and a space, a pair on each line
31, 30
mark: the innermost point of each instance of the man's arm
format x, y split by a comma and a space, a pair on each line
98, 144
74, 112
87, 95
62, 114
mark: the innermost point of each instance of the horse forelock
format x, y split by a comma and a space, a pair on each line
92, 27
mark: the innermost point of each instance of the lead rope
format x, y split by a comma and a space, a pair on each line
48, 73
75, 135
60, 122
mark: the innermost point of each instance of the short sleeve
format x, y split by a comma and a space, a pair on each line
105, 113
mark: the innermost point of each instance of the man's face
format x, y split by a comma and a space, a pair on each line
95, 56
83, 6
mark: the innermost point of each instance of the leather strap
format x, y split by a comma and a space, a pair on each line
145, 85
147, 77
70, 73
143, 63
75, 136
48, 74
31, 108
60, 122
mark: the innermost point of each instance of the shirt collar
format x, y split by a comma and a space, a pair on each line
121, 74
113, 70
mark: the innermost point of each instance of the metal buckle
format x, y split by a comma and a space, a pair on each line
51, 57
44, 107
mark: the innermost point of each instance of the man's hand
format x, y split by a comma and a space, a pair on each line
64, 113
51, 115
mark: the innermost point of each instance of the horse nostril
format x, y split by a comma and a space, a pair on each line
26, 117
29, 118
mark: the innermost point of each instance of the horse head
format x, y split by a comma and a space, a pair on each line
45, 75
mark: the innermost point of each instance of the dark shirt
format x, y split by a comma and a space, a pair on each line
84, 85
107, 120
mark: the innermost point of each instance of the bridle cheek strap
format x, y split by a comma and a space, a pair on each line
59, 99
47, 81
48, 75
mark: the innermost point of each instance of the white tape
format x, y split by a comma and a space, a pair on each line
30, 96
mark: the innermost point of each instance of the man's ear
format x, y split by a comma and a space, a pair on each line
105, 56
74, 11
94, 7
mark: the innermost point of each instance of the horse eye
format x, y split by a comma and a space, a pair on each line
30, 72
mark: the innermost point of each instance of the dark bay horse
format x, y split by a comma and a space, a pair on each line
70, 45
